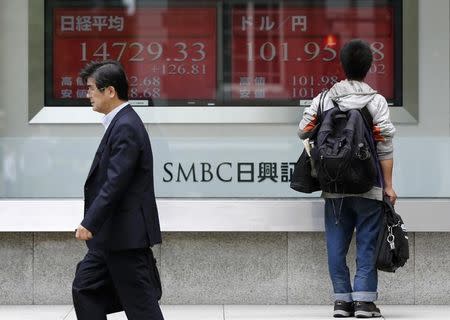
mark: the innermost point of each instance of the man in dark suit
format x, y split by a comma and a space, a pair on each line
120, 215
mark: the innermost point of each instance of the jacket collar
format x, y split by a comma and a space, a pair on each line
122, 111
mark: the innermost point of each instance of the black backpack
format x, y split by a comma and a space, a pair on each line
344, 154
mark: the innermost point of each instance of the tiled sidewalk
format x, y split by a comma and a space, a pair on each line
228, 312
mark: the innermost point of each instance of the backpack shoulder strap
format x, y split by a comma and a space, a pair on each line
367, 117
314, 131
335, 104
321, 102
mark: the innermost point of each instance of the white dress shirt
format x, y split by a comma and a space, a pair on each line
110, 116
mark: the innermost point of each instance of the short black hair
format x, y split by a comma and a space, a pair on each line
107, 73
356, 59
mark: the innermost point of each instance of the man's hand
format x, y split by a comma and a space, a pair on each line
82, 233
386, 166
391, 194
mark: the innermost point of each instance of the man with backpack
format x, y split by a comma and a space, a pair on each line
352, 156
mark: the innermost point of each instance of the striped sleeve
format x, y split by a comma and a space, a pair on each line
309, 119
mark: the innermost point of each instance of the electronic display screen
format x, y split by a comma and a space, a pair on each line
294, 52
166, 53
220, 53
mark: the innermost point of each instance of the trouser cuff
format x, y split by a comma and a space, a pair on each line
347, 297
365, 296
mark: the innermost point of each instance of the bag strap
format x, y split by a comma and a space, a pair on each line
320, 108
367, 117
319, 115
388, 203
393, 219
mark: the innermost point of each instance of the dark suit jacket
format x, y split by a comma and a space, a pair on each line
119, 199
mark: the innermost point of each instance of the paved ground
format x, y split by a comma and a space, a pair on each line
228, 312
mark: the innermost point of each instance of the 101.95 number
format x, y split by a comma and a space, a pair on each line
311, 51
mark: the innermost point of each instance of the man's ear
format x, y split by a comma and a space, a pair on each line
111, 91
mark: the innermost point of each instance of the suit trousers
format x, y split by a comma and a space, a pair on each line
111, 281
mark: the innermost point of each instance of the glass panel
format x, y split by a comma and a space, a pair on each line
201, 167
215, 53
53, 160
167, 53
289, 51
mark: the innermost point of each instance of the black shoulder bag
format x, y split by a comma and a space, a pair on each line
302, 180
392, 245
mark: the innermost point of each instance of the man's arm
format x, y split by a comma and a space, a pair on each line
387, 166
309, 119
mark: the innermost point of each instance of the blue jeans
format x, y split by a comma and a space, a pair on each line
342, 216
